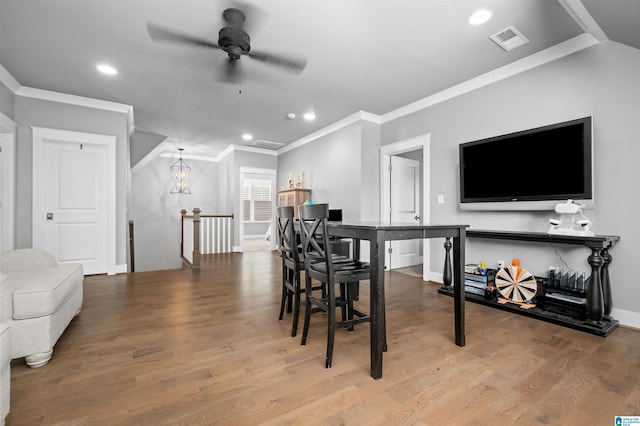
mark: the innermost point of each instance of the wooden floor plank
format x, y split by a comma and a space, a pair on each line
184, 347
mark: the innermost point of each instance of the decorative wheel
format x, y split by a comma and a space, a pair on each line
516, 284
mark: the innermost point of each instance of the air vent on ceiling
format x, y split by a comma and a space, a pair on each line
509, 38
267, 144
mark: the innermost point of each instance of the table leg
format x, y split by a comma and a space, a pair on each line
458, 289
446, 273
376, 283
595, 304
606, 283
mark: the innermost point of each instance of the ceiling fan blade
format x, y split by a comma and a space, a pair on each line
288, 63
159, 33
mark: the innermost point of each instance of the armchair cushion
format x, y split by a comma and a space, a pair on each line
46, 293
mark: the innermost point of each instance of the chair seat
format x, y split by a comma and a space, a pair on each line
345, 266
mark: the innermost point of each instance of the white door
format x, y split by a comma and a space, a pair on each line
72, 201
405, 208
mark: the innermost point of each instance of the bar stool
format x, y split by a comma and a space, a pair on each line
330, 270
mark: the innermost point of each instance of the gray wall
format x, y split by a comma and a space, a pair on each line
601, 81
156, 212
335, 162
370, 172
56, 115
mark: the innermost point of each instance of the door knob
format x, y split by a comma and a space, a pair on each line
417, 218
49, 216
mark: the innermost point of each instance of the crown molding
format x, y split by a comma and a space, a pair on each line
8, 80
187, 157
254, 149
550, 54
581, 15
347, 121
231, 148
47, 95
155, 152
7, 124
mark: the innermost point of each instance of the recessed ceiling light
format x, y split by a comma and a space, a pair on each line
106, 69
291, 116
309, 116
480, 16
247, 137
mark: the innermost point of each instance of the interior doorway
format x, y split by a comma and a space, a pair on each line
257, 209
405, 198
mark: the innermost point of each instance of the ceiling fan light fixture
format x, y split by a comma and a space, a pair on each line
480, 16
106, 69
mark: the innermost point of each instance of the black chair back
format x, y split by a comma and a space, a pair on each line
287, 239
330, 270
314, 235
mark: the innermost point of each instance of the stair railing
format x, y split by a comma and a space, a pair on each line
205, 234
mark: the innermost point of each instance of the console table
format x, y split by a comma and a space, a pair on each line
599, 301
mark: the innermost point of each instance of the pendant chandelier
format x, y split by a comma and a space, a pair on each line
180, 171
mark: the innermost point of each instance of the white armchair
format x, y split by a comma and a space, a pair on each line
38, 301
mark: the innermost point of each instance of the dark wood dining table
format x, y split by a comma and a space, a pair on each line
377, 233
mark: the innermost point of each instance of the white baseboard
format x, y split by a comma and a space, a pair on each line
236, 249
121, 269
436, 277
627, 318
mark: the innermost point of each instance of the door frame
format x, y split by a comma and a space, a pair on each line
386, 151
7, 190
397, 259
266, 174
40, 136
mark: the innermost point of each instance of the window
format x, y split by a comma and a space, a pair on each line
257, 200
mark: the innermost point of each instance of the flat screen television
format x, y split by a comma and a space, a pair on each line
532, 169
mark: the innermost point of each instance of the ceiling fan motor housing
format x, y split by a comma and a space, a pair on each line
234, 41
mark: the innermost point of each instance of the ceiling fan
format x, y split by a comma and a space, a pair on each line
232, 39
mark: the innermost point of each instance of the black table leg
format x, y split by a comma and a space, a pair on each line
446, 274
377, 304
606, 283
458, 290
595, 303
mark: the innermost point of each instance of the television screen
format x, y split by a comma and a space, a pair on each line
550, 163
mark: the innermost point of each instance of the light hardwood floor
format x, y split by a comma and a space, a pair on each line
200, 348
